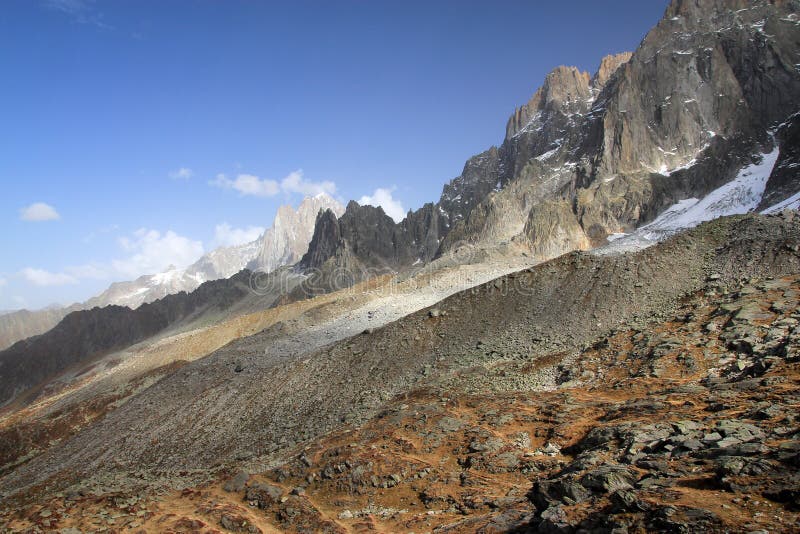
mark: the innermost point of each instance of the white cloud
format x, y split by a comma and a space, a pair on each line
184, 173
248, 184
227, 236
3, 282
148, 252
43, 278
39, 211
295, 183
153, 252
383, 197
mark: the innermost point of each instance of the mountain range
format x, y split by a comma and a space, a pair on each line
710, 90
593, 329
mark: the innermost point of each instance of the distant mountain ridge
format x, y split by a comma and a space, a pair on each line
282, 244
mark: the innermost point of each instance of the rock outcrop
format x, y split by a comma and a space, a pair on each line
554, 219
287, 240
365, 242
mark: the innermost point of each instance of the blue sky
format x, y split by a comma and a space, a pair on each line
120, 116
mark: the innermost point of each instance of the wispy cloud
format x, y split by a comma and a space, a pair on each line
3, 282
80, 11
39, 211
383, 197
294, 182
184, 173
151, 251
43, 278
247, 184
68, 6
226, 235
91, 236
143, 252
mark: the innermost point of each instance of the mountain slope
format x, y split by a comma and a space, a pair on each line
87, 334
276, 402
21, 324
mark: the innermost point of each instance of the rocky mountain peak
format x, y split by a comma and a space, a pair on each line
608, 66
292, 231
564, 89
325, 240
564, 85
587, 157
698, 10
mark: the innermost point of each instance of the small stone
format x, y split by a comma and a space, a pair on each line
237, 483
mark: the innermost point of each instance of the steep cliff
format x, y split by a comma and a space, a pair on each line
291, 232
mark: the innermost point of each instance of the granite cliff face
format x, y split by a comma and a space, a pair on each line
291, 232
589, 156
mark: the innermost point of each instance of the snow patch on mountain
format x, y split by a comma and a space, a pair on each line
740, 195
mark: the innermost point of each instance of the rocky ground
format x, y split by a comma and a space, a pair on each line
647, 391
74, 401
685, 422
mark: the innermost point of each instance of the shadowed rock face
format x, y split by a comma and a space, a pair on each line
22, 324
676, 119
371, 240
783, 180
326, 239
288, 238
